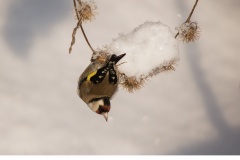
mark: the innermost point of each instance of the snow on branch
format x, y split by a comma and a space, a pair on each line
151, 48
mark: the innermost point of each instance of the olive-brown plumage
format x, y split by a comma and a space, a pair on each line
98, 83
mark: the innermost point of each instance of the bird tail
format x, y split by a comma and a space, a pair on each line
114, 59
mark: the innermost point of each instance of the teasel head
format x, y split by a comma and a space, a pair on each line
101, 54
188, 32
86, 10
131, 83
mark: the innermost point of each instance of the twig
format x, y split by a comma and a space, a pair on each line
86, 38
73, 36
176, 35
79, 19
80, 2
75, 8
190, 15
75, 29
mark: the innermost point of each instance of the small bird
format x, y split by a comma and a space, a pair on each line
98, 83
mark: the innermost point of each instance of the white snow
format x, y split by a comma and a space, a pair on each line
148, 46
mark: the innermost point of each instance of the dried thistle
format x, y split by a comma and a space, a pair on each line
165, 67
189, 32
86, 10
101, 54
131, 83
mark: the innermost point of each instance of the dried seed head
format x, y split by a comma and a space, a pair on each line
131, 83
165, 67
188, 31
101, 54
87, 10
134, 83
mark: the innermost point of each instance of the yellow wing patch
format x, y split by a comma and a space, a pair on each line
90, 75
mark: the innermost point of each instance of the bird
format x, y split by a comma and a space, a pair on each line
98, 83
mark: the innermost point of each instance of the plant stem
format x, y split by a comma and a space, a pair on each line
75, 8
86, 38
80, 2
80, 24
176, 35
190, 15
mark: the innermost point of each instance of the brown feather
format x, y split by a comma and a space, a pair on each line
87, 90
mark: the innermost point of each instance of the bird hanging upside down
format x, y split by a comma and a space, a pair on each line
98, 83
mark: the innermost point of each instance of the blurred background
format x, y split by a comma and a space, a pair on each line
193, 110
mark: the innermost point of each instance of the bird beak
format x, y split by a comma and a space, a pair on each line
120, 57
105, 115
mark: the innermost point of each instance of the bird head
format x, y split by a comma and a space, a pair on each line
100, 106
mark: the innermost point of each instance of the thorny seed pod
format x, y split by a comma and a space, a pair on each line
188, 31
87, 10
101, 54
131, 83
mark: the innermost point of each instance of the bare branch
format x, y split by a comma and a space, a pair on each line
79, 24
86, 38
73, 36
190, 15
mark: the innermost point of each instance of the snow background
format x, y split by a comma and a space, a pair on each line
194, 110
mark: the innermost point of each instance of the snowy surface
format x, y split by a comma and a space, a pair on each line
193, 110
148, 46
